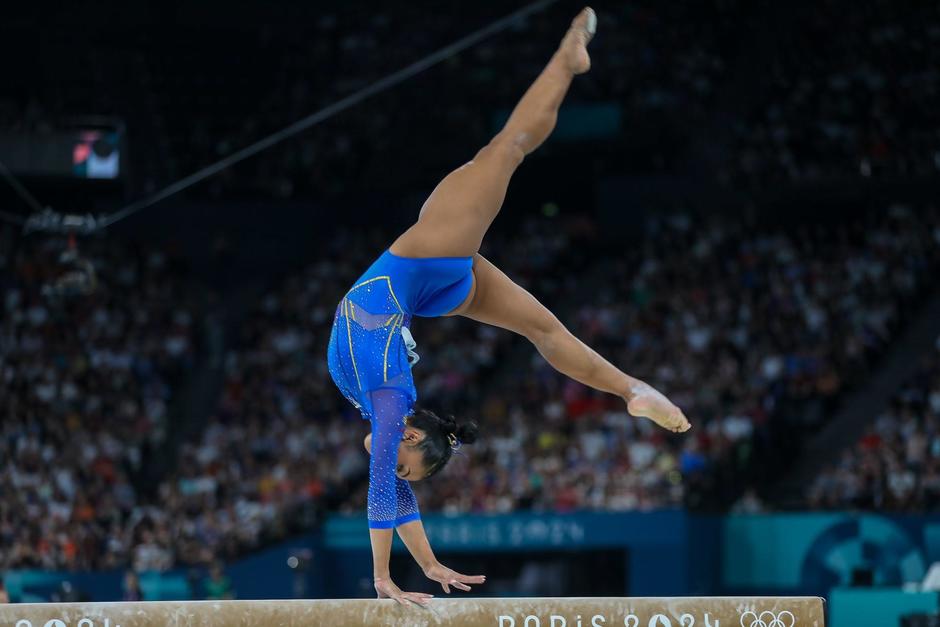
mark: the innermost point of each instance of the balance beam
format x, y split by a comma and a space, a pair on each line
469, 612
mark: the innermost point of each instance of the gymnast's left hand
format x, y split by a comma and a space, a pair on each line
447, 577
385, 588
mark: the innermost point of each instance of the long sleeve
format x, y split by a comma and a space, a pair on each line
391, 501
407, 503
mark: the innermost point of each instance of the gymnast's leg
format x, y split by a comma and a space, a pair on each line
458, 213
500, 302
455, 217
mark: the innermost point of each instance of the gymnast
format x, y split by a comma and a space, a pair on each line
434, 269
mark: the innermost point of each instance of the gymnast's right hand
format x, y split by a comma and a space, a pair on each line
387, 589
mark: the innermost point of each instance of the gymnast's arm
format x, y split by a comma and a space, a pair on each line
407, 519
413, 535
389, 408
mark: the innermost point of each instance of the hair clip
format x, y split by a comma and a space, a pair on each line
453, 441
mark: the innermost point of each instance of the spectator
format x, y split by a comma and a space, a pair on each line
131, 587
749, 503
217, 585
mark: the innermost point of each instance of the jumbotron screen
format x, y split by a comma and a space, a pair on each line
84, 151
96, 154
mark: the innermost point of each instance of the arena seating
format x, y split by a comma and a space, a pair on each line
87, 386
894, 466
756, 330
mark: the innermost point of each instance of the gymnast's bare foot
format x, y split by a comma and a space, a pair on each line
574, 46
645, 401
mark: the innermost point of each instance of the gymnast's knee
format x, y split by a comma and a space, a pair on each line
506, 149
545, 333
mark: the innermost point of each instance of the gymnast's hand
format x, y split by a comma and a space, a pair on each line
643, 400
447, 577
386, 589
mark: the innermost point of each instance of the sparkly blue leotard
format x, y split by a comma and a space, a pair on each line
370, 357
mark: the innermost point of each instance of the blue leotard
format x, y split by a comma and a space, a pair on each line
369, 360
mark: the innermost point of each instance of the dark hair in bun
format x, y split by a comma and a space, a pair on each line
441, 437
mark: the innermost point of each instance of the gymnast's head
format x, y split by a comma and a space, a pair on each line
428, 443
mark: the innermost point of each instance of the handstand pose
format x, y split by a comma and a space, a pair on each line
434, 269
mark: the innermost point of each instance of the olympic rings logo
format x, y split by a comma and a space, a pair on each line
768, 619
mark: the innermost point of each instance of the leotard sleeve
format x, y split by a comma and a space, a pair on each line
391, 501
407, 503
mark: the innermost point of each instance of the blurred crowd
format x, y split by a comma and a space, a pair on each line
754, 334
85, 387
895, 465
787, 322
756, 331
205, 97
756, 93
789, 319
661, 65
853, 100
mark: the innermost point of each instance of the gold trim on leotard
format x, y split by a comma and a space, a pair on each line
395, 320
352, 354
388, 280
398, 319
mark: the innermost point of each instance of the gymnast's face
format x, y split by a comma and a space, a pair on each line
410, 464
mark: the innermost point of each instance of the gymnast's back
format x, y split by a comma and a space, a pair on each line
369, 342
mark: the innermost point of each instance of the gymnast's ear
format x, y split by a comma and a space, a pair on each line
367, 442
413, 435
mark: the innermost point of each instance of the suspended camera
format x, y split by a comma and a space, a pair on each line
78, 276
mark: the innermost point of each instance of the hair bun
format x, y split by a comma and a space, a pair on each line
448, 424
467, 432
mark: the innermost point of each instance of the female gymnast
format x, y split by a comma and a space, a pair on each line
434, 269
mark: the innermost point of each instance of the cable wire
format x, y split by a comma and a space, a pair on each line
329, 111
21, 191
